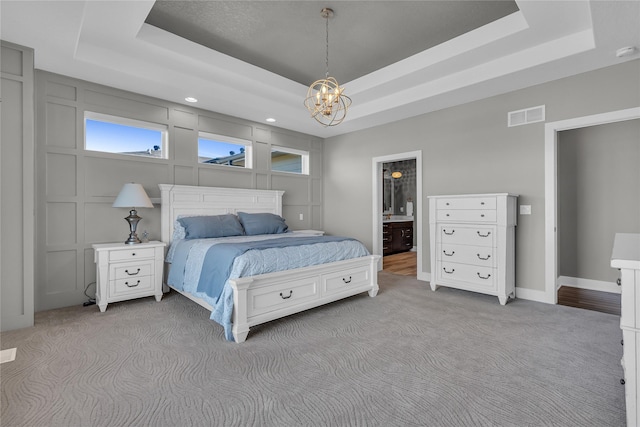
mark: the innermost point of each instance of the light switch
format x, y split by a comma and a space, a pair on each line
301, 217
525, 209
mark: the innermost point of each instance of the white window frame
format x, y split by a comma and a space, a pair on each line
117, 120
248, 148
302, 153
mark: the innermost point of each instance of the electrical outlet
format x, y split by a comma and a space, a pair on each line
525, 209
301, 217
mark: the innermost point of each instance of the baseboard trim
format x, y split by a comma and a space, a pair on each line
424, 276
532, 295
594, 285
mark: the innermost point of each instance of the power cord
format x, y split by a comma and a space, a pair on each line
91, 301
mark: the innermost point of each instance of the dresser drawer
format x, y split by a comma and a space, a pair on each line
130, 286
473, 236
131, 254
344, 280
483, 277
463, 254
130, 270
469, 215
265, 299
467, 203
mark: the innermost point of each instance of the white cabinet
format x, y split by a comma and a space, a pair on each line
626, 258
473, 243
125, 271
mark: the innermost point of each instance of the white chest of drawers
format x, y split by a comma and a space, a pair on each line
626, 257
128, 271
473, 243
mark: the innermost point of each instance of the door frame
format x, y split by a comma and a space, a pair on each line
377, 205
550, 294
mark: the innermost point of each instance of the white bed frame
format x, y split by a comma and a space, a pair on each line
259, 299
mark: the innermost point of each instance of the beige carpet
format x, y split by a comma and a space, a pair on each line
409, 357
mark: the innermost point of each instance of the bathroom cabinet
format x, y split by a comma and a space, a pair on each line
397, 236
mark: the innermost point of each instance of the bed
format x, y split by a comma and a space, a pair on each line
260, 297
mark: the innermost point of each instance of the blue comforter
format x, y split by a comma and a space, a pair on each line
203, 267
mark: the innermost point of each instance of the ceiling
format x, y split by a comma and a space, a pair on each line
364, 36
254, 59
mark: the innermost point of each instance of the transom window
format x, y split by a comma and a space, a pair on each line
284, 159
119, 135
224, 150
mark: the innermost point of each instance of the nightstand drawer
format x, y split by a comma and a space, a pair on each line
131, 285
131, 270
131, 254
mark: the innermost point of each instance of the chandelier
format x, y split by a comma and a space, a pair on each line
325, 98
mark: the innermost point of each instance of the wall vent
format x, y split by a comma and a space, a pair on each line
526, 116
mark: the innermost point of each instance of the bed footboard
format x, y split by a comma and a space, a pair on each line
259, 299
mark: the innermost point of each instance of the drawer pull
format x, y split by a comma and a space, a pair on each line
346, 280
481, 215
132, 274
484, 235
448, 234
484, 259
482, 277
482, 203
448, 272
288, 296
133, 254
448, 215
447, 203
619, 282
451, 254
132, 286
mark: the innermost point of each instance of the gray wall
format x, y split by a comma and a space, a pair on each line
598, 196
76, 188
470, 149
17, 188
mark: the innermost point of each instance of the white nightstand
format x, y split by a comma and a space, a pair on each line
125, 271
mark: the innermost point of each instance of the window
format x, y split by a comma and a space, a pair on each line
224, 150
111, 134
289, 160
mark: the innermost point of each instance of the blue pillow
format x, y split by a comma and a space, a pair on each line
262, 223
203, 227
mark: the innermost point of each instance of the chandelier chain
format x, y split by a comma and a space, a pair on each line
327, 56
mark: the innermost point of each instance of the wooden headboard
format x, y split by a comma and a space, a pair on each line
191, 200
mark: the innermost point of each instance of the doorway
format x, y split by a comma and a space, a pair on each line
381, 209
550, 294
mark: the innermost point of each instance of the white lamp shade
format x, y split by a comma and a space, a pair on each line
132, 195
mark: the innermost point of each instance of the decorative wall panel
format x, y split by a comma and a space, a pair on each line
76, 188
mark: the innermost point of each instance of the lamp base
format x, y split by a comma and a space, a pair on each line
133, 240
133, 220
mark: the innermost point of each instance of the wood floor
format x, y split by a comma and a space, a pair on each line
405, 264
605, 302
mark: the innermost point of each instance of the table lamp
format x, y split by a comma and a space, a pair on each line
131, 196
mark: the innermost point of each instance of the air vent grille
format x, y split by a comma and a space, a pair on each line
526, 116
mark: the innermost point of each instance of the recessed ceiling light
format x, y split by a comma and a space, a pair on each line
270, 120
190, 99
